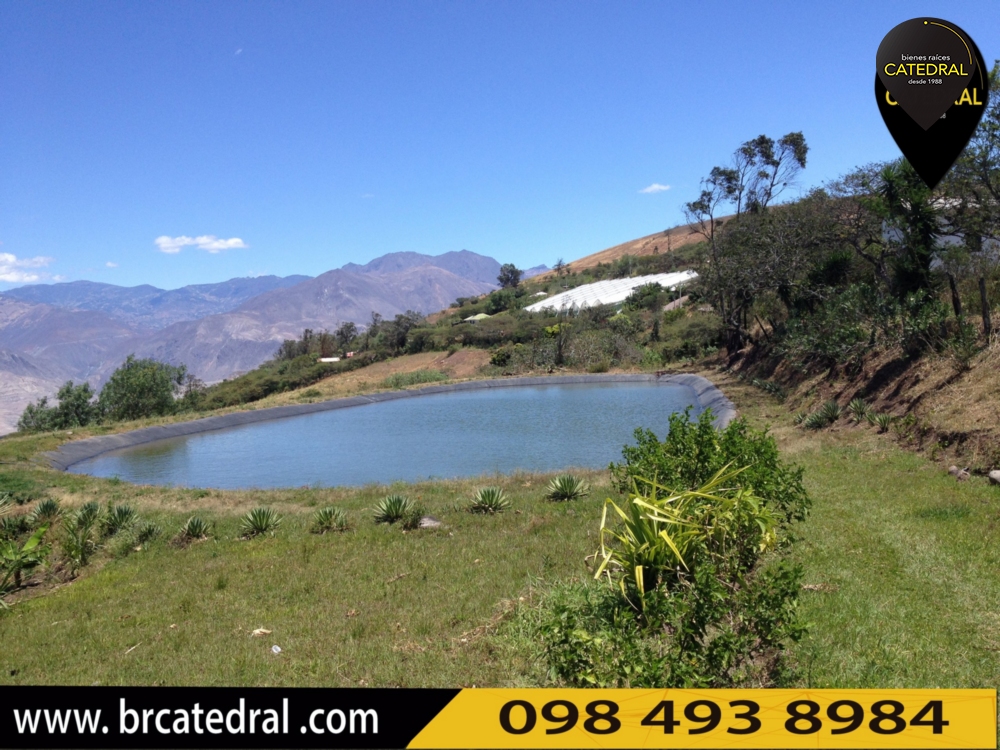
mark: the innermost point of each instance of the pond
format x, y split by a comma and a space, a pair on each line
444, 435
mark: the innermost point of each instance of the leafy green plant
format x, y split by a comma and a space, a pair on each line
693, 452
411, 519
567, 487
392, 508
328, 519
859, 410
118, 518
15, 559
47, 511
882, 421
258, 522
489, 500
194, 529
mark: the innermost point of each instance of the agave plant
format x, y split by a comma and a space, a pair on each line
194, 528
859, 410
259, 521
79, 538
47, 512
12, 527
815, 421
798, 418
118, 518
567, 487
146, 532
6, 504
328, 519
831, 411
489, 500
883, 422
392, 508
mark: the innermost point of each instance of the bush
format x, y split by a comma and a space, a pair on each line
567, 487
328, 519
690, 592
75, 409
489, 500
694, 451
258, 522
392, 508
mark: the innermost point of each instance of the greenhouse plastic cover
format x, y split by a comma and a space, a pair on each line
609, 292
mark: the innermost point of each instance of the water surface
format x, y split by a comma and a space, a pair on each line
464, 433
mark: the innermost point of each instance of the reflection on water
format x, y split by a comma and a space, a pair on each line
542, 428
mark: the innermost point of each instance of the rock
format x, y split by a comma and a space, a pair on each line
994, 477
953, 470
963, 475
429, 522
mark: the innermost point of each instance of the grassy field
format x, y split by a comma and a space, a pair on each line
901, 570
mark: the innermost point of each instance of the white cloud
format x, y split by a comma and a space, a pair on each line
14, 270
109, 264
239, 51
208, 242
655, 188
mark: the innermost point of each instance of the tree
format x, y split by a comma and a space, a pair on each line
75, 409
559, 267
510, 276
141, 388
345, 334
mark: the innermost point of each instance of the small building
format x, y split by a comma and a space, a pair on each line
330, 359
350, 354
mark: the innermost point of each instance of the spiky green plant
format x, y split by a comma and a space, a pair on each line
883, 422
815, 421
489, 500
328, 519
799, 418
831, 411
47, 511
392, 508
12, 527
194, 528
79, 539
6, 503
859, 410
146, 532
258, 522
567, 487
118, 518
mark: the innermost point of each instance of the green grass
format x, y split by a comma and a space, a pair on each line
417, 377
906, 560
374, 604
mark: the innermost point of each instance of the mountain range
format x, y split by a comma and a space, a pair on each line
83, 330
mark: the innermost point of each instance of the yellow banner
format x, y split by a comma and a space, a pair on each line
637, 718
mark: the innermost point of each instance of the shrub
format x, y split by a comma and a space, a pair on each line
16, 559
194, 529
815, 421
489, 500
831, 411
392, 508
328, 519
567, 487
46, 512
146, 532
11, 527
141, 388
411, 519
258, 522
694, 451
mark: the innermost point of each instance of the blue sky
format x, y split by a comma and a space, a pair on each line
294, 137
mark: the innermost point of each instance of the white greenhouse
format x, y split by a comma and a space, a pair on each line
609, 292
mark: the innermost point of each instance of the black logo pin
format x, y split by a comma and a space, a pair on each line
932, 87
